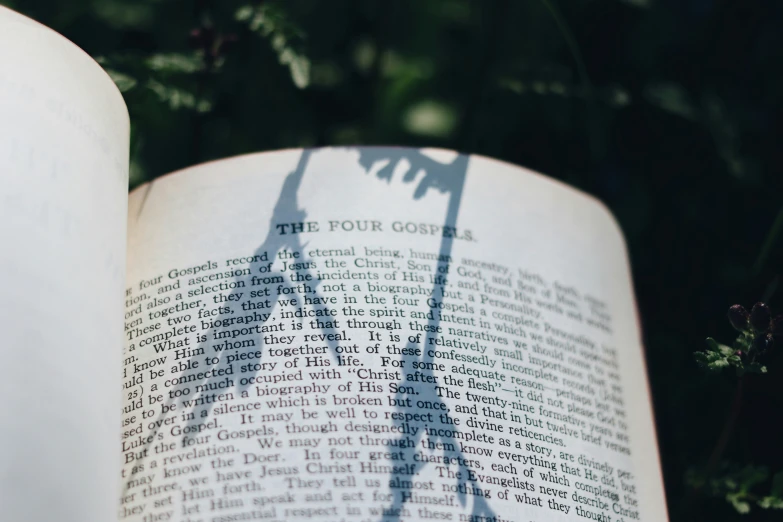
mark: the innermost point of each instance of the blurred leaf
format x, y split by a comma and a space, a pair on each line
299, 66
122, 14
737, 500
123, 81
364, 55
771, 503
175, 63
718, 364
430, 118
271, 22
177, 98
725, 132
671, 98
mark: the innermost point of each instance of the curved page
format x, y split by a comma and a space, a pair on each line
381, 334
63, 200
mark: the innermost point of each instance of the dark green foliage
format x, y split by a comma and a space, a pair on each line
751, 348
743, 488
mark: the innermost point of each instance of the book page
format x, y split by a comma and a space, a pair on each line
63, 207
381, 334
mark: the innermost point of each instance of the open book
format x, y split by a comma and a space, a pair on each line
368, 334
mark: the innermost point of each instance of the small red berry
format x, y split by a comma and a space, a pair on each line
738, 317
760, 317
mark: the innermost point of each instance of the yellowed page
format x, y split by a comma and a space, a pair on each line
64, 164
381, 334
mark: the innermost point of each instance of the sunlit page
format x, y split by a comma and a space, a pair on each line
380, 334
63, 169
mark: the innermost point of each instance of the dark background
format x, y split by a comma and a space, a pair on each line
668, 110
